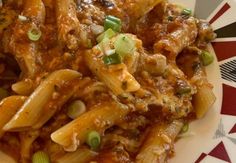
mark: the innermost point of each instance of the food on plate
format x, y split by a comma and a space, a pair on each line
100, 81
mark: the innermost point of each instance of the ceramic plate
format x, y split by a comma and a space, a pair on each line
213, 138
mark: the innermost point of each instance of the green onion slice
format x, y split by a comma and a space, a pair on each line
40, 157
34, 34
183, 90
124, 45
112, 59
186, 12
207, 58
75, 109
113, 23
110, 52
93, 140
107, 34
185, 128
114, 19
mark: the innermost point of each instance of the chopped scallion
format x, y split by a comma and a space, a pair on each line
183, 90
170, 18
110, 52
104, 46
89, 43
207, 58
93, 140
112, 59
107, 34
75, 109
114, 19
186, 12
34, 34
185, 128
124, 45
40, 157
113, 23
183, 87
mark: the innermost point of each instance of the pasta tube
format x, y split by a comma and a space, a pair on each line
26, 52
24, 87
26, 140
138, 8
81, 155
35, 10
32, 109
158, 143
8, 108
203, 100
116, 77
67, 23
173, 43
57, 103
6, 158
100, 117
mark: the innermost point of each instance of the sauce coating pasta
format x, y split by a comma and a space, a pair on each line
104, 81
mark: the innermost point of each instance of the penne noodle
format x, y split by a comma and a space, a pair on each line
26, 52
116, 77
6, 158
173, 43
27, 61
101, 117
26, 140
159, 142
154, 64
138, 8
67, 22
81, 155
57, 103
51, 108
32, 109
35, 10
24, 87
8, 108
203, 100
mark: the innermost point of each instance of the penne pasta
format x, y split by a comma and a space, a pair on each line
24, 87
35, 10
57, 103
174, 42
67, 23
154, 64
26, 52
6, 158
32, 109
203, 100
116, 77
81, 155
159, 142
101, 117
8, 108
26, 140
139, 8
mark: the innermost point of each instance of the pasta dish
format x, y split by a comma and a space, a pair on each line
106, 81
